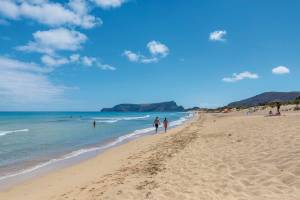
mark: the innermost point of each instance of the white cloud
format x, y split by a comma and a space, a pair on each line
217, 35
11, 64
22, 82
79, 6
238, 77
61, 39
9, 9
157, 48
74, 58
53, 40
27, 82
138, 58
133, 57
34, 1
52, 14
149, 60
280, 70
105, 66
88, 61
106, 4
92, 61
24, 87
54, 62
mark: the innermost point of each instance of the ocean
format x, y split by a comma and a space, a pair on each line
31, 141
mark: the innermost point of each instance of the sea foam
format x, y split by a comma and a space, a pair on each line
117, 119
3, 133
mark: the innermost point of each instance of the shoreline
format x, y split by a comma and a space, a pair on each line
79, 156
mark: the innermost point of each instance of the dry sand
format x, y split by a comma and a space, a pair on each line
217, 156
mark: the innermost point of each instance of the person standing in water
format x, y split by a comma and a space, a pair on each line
166, 123
156, 123
94, 124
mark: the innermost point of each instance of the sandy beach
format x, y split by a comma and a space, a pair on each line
149, 100
216, 156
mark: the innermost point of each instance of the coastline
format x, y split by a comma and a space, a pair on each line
81, 155
216, 156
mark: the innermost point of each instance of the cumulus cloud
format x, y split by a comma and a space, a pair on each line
23, 82
280, 70
131, 56
54, 40
92, 61
88, 61
138, 58
34, 1
74, 58
106, 4
238, 77
54, 62
217, 35
9, 9
79, 6
48, 13
155, 48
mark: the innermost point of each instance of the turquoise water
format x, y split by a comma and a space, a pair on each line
31, 140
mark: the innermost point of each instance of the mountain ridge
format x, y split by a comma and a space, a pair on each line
264, 98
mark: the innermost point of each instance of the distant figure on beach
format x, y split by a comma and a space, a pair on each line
156, 123
94, 124
278, 108
166, 123
270, 113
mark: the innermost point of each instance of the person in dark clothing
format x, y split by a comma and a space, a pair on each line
278, 104
156, 123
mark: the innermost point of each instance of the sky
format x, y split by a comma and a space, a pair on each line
83, 55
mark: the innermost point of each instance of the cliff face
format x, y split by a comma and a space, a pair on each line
170, 106
266, 98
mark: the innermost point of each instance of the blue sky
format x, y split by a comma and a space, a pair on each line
89, 54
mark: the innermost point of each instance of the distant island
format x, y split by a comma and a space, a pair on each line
169, 106
265, 98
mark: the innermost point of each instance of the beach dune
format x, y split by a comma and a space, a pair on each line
216, 156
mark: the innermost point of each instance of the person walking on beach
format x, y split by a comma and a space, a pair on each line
166, 123
156, 123
94, 124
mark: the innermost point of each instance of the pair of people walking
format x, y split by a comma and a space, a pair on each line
156, 124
